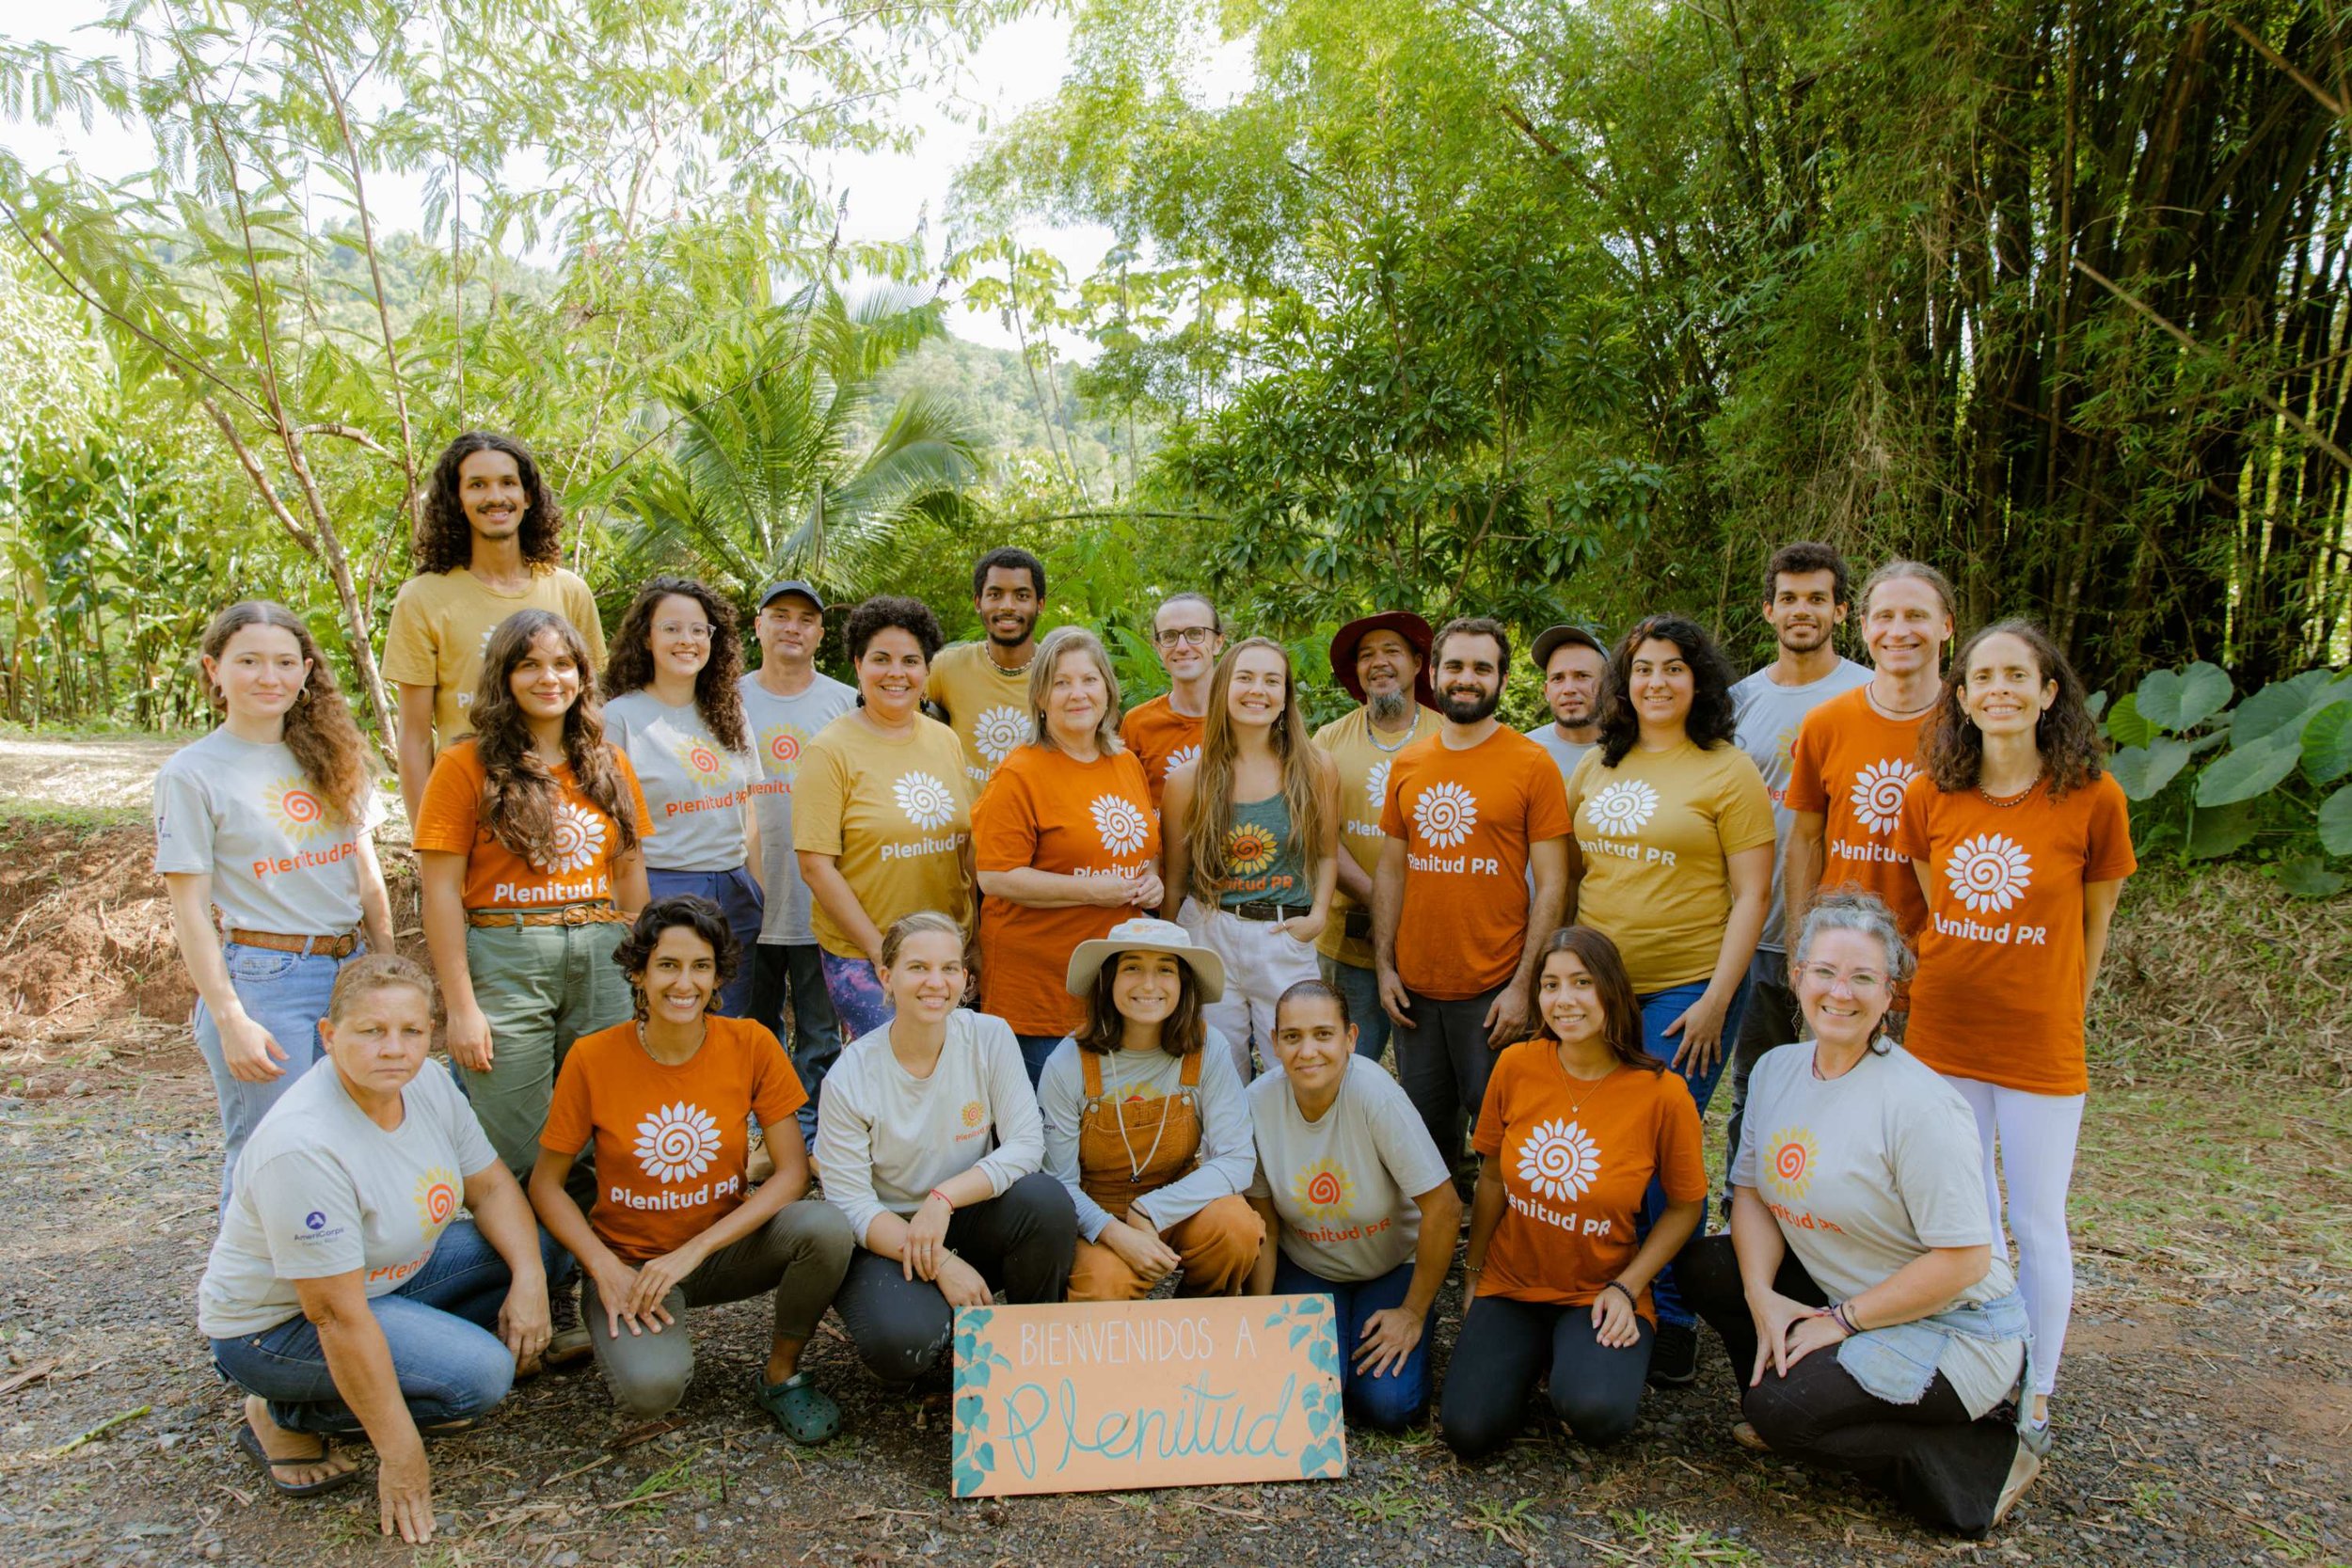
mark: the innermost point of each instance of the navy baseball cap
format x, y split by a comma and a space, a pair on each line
792, 585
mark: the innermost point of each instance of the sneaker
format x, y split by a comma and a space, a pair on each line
569, 1342
1674, 1356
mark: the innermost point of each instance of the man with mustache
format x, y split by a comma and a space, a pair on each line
1574, 664
1458, 925
1380, 661
982, 687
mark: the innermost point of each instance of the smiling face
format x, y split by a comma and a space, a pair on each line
680, 977
1804, 609
891, 671
1468, 677
1185, 632
1572, 685
789, 628
1660, 682
260, 671
1842, 985
1076, 698
2003, 691
382, 1037
1312, 1042
1569, 999
926, 982
546, 680
1386, 665
1905, 626
1008, 606
680, 636
1146, 986
490, 488
1258, 688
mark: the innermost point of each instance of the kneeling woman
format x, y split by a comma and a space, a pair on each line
1576, 1124
1146, 1124
346, 1293
1860, 1291
664, 1100
1359, 1200
929, 1140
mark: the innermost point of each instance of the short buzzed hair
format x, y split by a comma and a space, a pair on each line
1011, 559
1473, 626
1802, 557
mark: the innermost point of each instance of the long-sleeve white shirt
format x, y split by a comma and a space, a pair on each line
885, 1139
1228, 1155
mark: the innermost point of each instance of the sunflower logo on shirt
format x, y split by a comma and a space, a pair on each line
1118, 824
704, 762
926, 800
297, 808
1376, 786
1877, 796
1249, 848
780, 746
1623, 808
1445, 812
1322, 1189
435, 1197
578, 839
1990, 871
1794, 1153
1182, 756
998, 730
677, 1142
1559, 1159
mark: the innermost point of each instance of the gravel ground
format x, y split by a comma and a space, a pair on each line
2206, 1421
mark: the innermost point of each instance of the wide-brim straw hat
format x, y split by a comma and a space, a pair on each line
1406, 625
1145, 935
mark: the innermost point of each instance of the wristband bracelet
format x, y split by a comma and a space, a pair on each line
944, 1199
1618, 1286
1844, 1319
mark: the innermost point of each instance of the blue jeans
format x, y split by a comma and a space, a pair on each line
442, 1326
739, 901
1659, 1009
286, 994
1036, 1050
1361, 986
1388, 1400
782, 970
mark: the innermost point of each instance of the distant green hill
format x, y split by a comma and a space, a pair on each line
1014, 409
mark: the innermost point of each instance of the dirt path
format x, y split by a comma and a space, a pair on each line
98, 775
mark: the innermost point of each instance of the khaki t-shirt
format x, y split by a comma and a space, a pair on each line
1657, 832
894, 814
441, 626
987, 706
1363, 766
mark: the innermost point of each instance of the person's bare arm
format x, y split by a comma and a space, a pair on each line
1389, 1337
1486, 1206
832, 891
502, 1214
441, 881
1269, 1251
631, 892
754, 853
1700, 1028
1801, 865
376, 901
250, 1051
359, 1364
1323, 869
1176, 841
1507, 1015
414, 753
1388, 904
2099, 901
1033, 888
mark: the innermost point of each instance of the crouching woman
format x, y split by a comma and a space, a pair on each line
346, 1293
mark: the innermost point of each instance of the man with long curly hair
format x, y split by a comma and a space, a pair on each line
490, 547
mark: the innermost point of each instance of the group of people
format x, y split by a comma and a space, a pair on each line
1081, 998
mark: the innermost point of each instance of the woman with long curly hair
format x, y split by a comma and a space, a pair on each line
489, 546
270, 819
1252, 830
2021, 842
672, 703
1672, 859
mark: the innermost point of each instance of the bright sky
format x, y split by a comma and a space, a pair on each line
889, 194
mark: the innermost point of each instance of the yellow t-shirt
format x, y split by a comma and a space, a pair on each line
894, 814
441, 626
1363, 766
1655, 833
988, 707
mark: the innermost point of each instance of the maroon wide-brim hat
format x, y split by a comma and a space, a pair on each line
1406, 625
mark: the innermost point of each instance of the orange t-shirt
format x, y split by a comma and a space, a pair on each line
1575, 1158
586, 839
1851, 764
1163, 738
670, 1144
1999, 992
1047, 810
1467, 818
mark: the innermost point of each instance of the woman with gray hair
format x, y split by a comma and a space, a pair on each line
1860, 1292
1066, 841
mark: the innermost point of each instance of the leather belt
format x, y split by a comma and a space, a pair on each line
1262, 911
598, 913
319, 947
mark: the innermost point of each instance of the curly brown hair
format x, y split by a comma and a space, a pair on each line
445, 542
2066, 735
1713, 720
320, 733
519, 794
717, 699
698, 915
1104, 1029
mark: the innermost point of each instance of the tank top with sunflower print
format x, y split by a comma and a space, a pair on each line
1260, 862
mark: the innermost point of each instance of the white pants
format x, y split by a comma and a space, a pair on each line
2035, 1134
1260, 963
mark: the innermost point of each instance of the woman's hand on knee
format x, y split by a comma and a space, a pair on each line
617, 1284
524, 1322
1774, 1315
1138, 1246
1615, 1325
962, 1284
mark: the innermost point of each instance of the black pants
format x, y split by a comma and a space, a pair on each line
1945, 1469
1505, 1345
1443, 1064
1022, 1241
1770, 1019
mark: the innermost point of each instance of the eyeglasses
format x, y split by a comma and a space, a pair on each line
1861, 982
1197, 637
696, 631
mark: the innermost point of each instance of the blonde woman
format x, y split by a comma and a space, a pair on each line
1252, 832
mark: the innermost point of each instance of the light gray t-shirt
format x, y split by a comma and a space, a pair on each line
1228, 1158
1343, 1185
781, 727
1568, 753
1868, 1170
1769, 718
280, 858
693, 785
320, 1190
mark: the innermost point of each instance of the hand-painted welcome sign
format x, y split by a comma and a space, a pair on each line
1101, 1396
